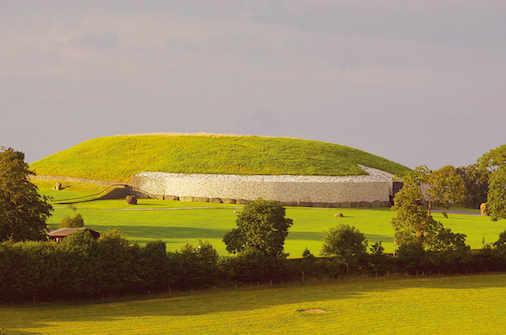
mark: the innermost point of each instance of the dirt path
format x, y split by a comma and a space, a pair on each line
455, 212
149, 208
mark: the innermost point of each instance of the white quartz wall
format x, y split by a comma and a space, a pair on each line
375, 187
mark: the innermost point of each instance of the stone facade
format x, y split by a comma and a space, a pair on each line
373, 190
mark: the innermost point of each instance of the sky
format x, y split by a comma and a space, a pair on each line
416, 82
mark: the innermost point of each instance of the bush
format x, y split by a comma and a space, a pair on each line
346, 244
195, 267
307, 254
410, 257
115, 262
252, 266
75, 222
261, 225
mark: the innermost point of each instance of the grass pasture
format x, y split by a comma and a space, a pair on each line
438, 305
178, 223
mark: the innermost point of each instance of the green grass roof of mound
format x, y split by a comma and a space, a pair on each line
117, 158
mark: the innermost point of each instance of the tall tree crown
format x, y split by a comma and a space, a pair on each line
23, 211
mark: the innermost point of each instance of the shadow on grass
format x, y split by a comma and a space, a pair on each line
190, 233
165, 233
316, 236
230, 300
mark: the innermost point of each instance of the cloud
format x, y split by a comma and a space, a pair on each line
104, 41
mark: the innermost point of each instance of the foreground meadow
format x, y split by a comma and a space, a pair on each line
439, 305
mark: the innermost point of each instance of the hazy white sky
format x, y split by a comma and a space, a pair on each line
417, 82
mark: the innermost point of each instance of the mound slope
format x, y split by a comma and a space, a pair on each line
117, 158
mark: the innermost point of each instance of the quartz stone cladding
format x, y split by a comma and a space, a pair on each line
374, 189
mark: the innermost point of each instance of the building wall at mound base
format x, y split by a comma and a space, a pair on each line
317, 194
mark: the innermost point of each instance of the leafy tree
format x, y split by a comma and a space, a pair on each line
154, 260
497, 196
410, 256
495, 162
79, 267
23, 211
199, 265
377, 249
377, 258
75, 222
345, 243
81, 240
114, 257
500, 244
262, 226
475, 184
251, 265
443, 187
413, 223
446, 240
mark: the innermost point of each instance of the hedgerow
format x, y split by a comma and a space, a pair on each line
81, 267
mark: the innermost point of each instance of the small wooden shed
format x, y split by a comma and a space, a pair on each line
58, 234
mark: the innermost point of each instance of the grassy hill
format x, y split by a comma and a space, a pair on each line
117, 158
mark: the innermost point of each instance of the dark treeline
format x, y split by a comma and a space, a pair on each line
80, 267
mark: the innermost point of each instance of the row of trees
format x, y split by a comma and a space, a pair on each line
475, 184
414, 225
82, 267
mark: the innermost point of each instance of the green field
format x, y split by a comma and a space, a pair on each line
391, 305
117, 158
438, 305
178, 223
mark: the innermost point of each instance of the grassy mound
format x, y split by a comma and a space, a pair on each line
117, 158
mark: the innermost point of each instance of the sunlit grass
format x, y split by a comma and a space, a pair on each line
117, 158
178, 222
71, 189
439, 305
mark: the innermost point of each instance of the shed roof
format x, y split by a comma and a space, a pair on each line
62, 232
